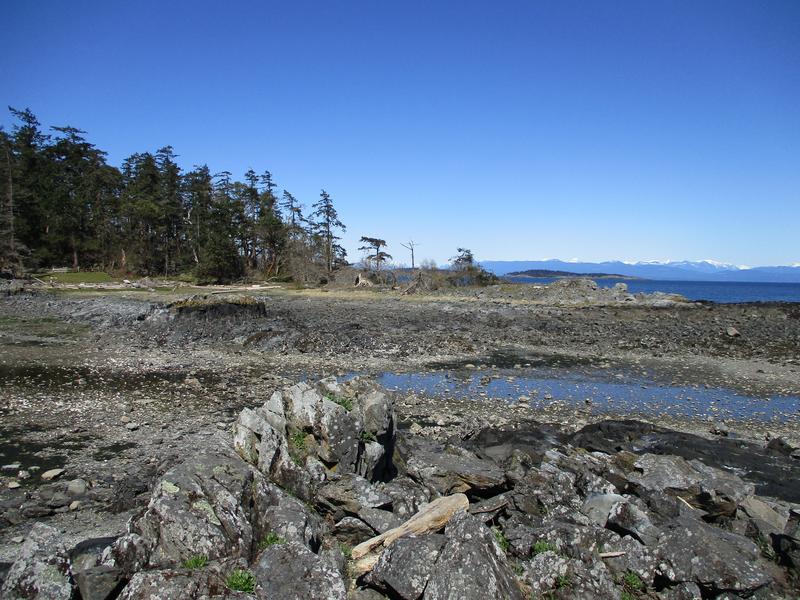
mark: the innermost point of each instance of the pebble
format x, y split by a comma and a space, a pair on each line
12, 467
52, 474
132, 426
12, 485
18, 539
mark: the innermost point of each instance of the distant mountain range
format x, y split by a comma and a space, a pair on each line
705, 270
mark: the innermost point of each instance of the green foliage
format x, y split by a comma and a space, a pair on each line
240, 580
196, 562
368, 436
501, 539
542, 546
270, 540
62, 205
626, 596
562, 581
345, 403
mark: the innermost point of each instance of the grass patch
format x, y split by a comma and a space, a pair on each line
501, 539
368, 436
240, 580
562, 581
345, 403
543, 546
298, 439
632, 582
196, 562
270, 539
78, 277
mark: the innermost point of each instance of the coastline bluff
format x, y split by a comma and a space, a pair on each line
321, 496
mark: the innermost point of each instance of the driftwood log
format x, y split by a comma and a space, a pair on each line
431, 517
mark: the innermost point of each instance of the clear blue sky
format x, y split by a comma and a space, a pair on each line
521, 129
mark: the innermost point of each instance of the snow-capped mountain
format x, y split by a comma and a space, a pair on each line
704, 270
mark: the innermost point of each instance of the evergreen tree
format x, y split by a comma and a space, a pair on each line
374, 245
324, 227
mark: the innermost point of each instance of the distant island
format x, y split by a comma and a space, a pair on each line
536, 273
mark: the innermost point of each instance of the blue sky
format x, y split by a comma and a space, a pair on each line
520, 129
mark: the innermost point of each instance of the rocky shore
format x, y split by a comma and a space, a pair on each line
121, 397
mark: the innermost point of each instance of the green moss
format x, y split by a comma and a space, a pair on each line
196, 562
240, 580
169, 488
204, 506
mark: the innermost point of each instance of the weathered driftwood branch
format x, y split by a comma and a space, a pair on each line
431, 517
611, 554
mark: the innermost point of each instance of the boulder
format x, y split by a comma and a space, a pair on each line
598, 506
199, 508
175, 584
348, 495
552, 576
471, 566
627, 519
716, 560
448, 470
41, 569
277, 512
405, 567
292, 572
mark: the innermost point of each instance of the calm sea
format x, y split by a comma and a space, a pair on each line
715, 291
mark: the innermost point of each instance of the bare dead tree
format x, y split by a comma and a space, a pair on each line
410, 246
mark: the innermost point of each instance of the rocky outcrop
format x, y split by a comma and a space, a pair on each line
304, 509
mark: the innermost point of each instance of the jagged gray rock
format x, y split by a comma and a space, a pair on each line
292, 572
405, 567
471, 566
714, 559
199, 508
42, 568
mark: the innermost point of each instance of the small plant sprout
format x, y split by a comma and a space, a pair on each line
368, 436
346, 550
562, 581
240, 580
270, 540
196, 562
501, 539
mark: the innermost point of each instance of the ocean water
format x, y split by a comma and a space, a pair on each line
715, 291
620, 393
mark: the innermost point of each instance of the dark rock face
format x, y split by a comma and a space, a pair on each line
449, 470
292, 572
471, 565
771, 469
42, 569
